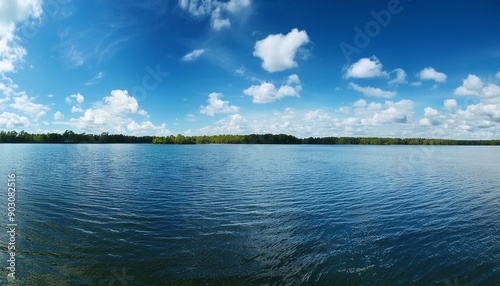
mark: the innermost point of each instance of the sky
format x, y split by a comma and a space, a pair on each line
388, 68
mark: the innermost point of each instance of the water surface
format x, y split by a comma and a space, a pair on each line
254, 214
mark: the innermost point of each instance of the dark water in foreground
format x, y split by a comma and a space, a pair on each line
253, 215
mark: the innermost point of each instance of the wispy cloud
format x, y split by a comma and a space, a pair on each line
372, 91
219, 11
193, 55
95, 79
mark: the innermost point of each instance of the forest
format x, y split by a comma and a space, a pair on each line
71, 137
289, 139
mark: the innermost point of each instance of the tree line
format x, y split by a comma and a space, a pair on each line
70, 137
103, 138
289, 139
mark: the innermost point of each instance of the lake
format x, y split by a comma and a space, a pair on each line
252, 214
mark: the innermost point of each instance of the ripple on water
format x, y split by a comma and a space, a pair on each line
277, 215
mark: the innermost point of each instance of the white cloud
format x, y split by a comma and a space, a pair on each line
474, 86
11, 120
192, 55
450, 104
115, 114
196, 7
11, 13
471, 86
266, 92
77, 97
15, 11
75, 109
394, 112
147, 128
430, 73
491, 111
372, 91
233, 124
480, 120
119, 102
371, 119
27, 106
240, 71
219, 11
10, 53
400, 77
498, 75
216, 105
217, 22
431, 117
190, 118
95, 79
490, 94
366, 68
235, 6
58, 115
293, 79
364, 118
278, 51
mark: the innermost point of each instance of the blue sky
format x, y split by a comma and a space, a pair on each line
194, 67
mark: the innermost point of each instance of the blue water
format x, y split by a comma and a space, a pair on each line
253, 215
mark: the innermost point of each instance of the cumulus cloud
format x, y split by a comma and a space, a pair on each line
193, 55
216, 105
75, 97
75, 109
372, 91
361, 118
114, 113
266, 92
431, 117
233, 124
78, 99
491, 111
12, 13
490, 94
278, 51
366, 68
146, 128
394, 112
479, 120
58, 115
18, 11
474, 86
400, 77
219, 11
471, 86
430, 73
450, 104
27, 106
11, 120
219, 23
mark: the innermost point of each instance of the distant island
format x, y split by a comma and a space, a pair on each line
106, 138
